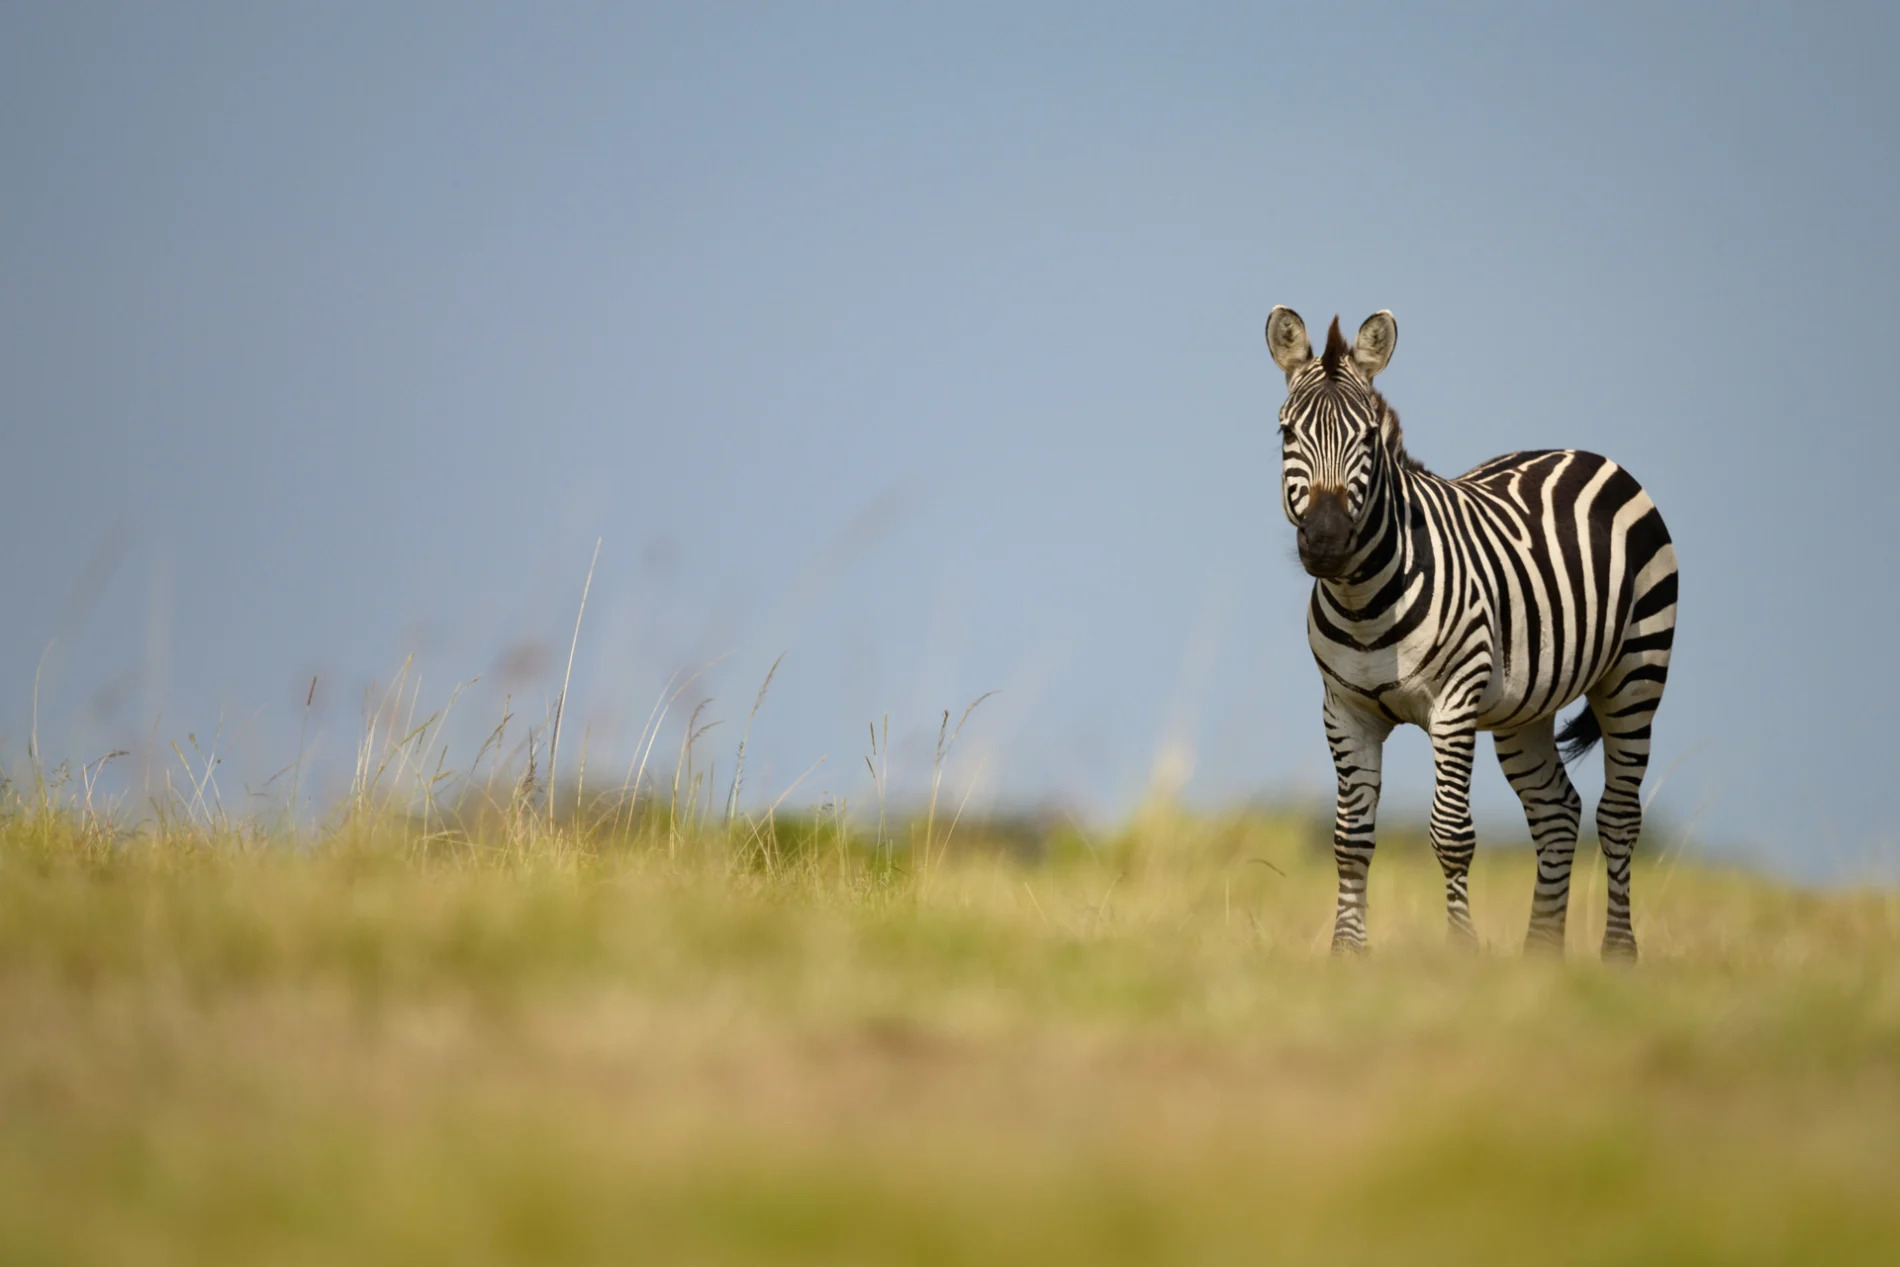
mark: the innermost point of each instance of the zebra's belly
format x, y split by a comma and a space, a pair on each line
1514, 700
1414, 689
1421, 678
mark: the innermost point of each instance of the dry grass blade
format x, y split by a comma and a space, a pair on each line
683, 773
946, 740
759, 840
560, 706
649, 735
738, 766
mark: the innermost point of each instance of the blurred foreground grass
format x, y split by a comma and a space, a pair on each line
536, 1046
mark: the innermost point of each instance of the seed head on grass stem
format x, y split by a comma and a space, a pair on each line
683, 774
738, 765
946, 739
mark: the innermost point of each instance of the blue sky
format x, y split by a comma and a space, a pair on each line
924, 349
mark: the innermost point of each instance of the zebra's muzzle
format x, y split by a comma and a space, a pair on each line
1326, 534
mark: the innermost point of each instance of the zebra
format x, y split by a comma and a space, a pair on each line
1486, 602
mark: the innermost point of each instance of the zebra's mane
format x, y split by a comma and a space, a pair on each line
1337, 350
1395, 444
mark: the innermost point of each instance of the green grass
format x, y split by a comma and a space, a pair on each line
541, 1047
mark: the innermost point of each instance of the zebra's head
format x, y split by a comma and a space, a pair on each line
1332, 432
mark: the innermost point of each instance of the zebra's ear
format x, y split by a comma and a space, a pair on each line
1372, 346
1287, 341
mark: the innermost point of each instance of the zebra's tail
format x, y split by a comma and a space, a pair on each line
1579, 734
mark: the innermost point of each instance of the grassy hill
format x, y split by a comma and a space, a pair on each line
529, 1045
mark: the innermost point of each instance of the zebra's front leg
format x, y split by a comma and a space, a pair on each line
1453, 839
1357, 741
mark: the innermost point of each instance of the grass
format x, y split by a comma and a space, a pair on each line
519, 1043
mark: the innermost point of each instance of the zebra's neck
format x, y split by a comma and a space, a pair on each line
1394, 548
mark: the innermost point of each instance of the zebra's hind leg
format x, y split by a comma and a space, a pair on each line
1624, 710
1553, 809
1453, 839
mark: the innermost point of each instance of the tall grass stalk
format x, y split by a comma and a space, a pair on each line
946, 740
296, 777
879, 764
560, 707
738, 764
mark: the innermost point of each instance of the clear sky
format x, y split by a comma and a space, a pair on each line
924, 348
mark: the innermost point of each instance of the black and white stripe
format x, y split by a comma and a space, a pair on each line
1488, 602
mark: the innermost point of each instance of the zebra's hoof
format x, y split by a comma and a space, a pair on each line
1344, 946
1619, 949
1545, 943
